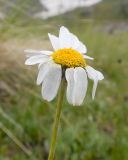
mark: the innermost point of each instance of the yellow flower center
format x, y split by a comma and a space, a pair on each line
68, 58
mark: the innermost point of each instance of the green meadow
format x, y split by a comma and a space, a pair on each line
97, 130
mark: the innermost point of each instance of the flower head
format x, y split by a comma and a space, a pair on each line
70, 55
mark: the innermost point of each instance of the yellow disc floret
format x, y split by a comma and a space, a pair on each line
68, 58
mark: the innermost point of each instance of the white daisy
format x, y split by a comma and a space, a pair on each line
68, 60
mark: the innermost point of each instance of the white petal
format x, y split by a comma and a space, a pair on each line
94, 88
36, 60
81, 48
74, 41
69, 40
43, 70
76, 85
92, 73
70, 84
64, 38
100, 75
80, 85
64, 30
95, 76
49, 60
51, 82
31, 52
54, 41
88, 57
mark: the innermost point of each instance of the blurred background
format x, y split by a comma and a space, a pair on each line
98, 130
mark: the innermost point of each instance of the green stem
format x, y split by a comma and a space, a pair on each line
56, 121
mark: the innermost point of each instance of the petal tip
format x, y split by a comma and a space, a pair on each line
49, 34
26, 62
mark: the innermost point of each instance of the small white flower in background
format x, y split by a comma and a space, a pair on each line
69, 55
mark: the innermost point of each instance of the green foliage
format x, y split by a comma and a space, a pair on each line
111, 9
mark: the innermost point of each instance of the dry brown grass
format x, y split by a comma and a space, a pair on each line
13, 72
13, 50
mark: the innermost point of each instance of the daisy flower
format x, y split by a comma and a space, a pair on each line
68, 60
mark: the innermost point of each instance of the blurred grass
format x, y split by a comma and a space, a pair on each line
98, 130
